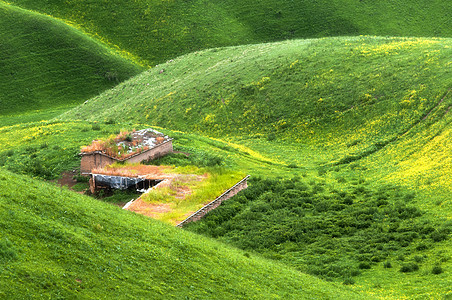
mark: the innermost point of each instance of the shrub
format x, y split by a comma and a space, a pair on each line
409, 267
36, 168
418, 258
387, 265
321, 171
364, 265
7, 250
271, 137
349, 281
80, 178
110, 121
437, 270
348, 200
375, 258
212, 161
421, 247
439, 235
95, 126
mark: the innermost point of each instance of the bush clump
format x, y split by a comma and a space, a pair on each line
437, 270
7, 251
336, 232
80, 178
409, 267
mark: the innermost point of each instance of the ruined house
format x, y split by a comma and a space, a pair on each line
133, 147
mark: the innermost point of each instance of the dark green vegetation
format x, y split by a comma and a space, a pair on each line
57, 244
47, 64
154, 31
324, 231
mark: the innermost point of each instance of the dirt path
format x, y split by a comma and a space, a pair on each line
67, 179
152, 210
439, 103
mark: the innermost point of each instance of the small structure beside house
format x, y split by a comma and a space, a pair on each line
133, 147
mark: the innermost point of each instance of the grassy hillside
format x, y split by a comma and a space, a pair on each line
379, 106
153, 31
46, 64
47, 148
365, 119
57, 244
362, 124
359, 91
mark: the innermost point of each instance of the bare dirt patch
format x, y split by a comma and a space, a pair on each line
67, 179
152, 210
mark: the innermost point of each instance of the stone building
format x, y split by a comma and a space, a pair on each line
137, 146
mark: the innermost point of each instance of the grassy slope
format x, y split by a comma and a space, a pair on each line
153, 31
345, 97
36, 142
347, 108
46, 64
55, 243
295, 102
47, 148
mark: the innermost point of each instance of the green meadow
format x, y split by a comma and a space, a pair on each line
340, 111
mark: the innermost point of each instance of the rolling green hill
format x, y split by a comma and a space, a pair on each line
46, 64
153, 31
361, 116
349, 95
312, 104
57, 244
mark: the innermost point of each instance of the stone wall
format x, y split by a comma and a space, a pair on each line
241, 185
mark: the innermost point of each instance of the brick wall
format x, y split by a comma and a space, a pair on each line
241, 185
156, 152
94, 160
98, 160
